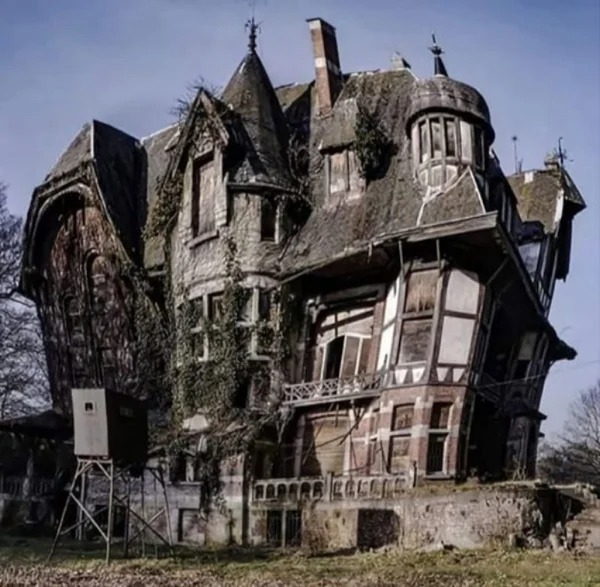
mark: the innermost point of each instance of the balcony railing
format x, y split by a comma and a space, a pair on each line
330, 488
355, 387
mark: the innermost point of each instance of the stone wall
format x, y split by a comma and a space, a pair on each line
464, 519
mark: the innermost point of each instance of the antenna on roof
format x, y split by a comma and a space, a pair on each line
518, 162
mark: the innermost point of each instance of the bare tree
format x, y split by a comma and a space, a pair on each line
577, 456
23, 381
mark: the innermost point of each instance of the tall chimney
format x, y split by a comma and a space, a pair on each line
328, 75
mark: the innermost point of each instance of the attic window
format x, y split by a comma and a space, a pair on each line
203, 196
268, 220
338, 172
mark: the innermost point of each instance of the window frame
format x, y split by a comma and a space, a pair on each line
196, 206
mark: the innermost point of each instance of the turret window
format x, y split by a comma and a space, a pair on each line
268, 220
441, 144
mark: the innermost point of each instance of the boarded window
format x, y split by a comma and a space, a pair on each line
398, 459
403, 417
457, 336
203, 196
414, 342
450, 131
324, 445
420, 291
268, 220
440, 415
338, 172
462, 294
436, 138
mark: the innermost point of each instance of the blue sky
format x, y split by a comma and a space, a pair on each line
63, 62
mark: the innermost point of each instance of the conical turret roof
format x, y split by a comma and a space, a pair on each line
251, 95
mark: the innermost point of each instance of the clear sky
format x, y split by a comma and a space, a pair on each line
124, 62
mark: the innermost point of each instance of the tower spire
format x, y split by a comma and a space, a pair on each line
438, 63
253, 27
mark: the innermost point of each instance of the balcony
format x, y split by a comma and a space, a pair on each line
330, 488
343, 388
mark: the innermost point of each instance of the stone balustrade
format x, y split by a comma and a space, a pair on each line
330, 488
367, 385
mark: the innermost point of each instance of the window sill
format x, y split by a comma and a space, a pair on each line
438, 476
202, 238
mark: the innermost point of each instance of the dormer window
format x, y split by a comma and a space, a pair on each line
343, 176
268, 220
203, 196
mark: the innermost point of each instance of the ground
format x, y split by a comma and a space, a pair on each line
22, 563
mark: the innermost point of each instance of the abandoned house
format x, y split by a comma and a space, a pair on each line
370, 209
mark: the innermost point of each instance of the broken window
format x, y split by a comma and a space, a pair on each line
203, 196
403, 417
293, 528
398, 459
421, 291
264, 305
436, 138
274, 528
415, 340
436, 449
268, 220
440, 415
215, 306
478, 147
450, 131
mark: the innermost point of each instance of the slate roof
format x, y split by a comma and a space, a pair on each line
251, 95
118, 163
391, 202
157, 148
537, 193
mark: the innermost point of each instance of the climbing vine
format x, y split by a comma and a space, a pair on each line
371, 144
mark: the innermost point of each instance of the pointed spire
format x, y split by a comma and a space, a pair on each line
438, 63
253, 27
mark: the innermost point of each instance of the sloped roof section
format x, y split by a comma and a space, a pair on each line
459, 200
391, 201
118, 160
250, 94
76, 153
537, 195
157, 149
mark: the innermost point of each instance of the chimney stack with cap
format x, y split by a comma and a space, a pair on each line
328, 75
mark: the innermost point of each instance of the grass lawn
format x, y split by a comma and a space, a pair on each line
22, 563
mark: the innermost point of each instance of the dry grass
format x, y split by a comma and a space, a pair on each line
22, 563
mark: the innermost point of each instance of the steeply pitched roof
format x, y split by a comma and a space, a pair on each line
250, 94
118, 164
391, 202
157, 148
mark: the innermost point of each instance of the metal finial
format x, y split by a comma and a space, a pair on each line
253, 27
438, 63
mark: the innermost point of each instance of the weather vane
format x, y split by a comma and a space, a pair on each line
435, 48
253, 28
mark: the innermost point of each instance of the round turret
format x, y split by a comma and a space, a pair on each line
449, 125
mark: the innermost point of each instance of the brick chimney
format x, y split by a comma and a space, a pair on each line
328, 75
